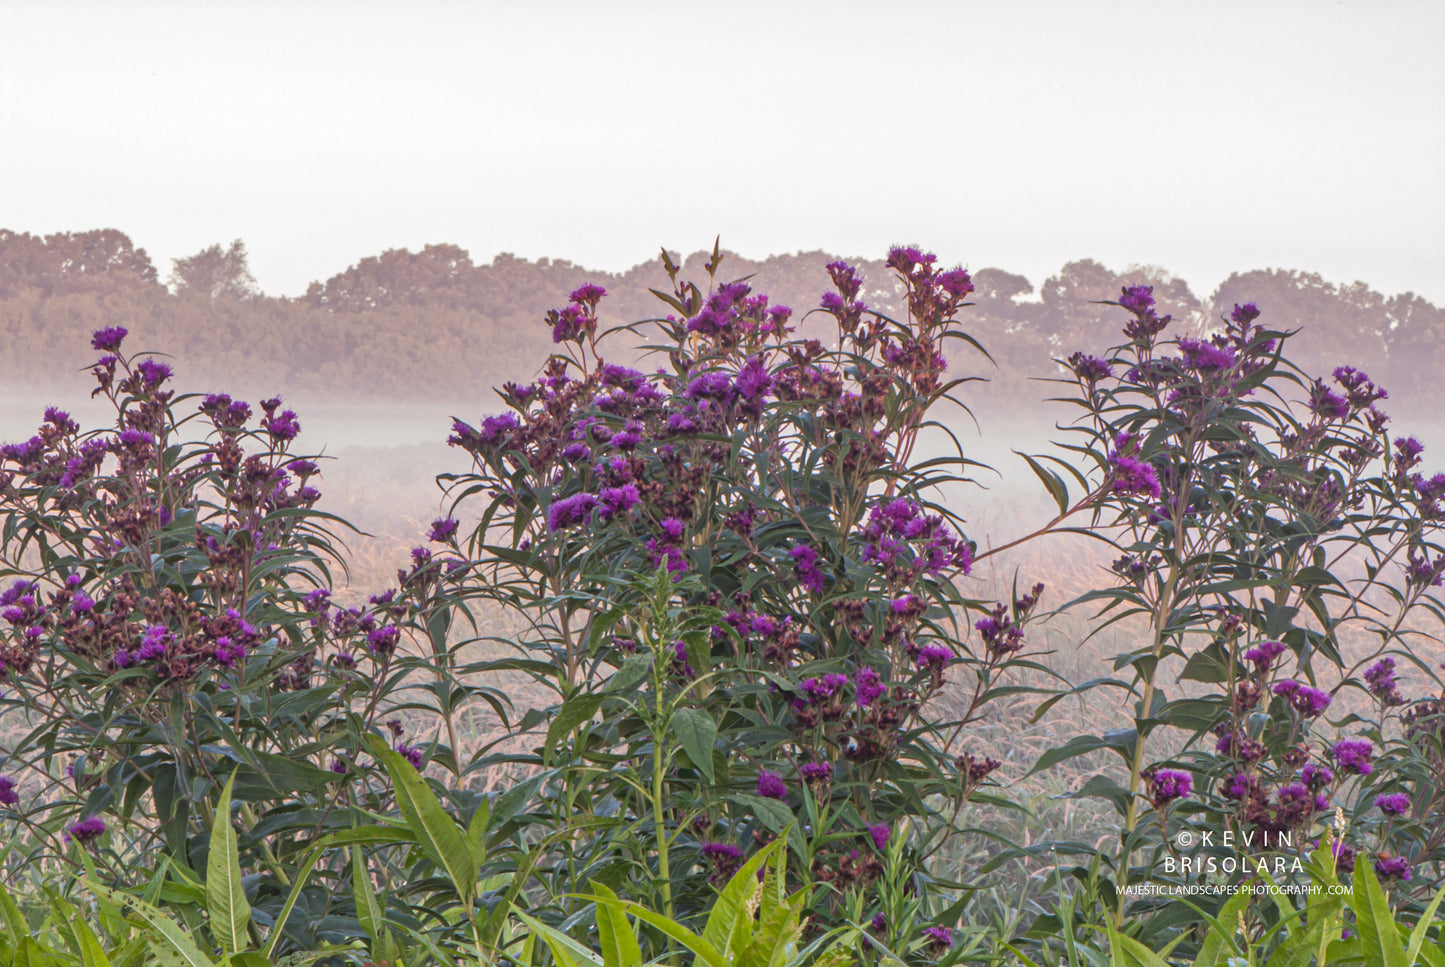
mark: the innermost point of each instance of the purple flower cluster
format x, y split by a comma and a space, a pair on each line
1167, 785
1262, 655
1131, 476
900, 525
1395, 804
805, 568
1392, 867
1308, 702
1353, 756
92, 827
771, 786
410, 754
8, 795
868, 687
1139, 300
1382, 682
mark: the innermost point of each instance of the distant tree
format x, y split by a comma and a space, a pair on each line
69, 262
398, 276
215, 274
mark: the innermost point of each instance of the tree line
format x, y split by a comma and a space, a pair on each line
426, 324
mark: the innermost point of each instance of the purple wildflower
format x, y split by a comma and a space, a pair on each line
1395, 804
805, 566
570, 510
107, 340
816, 773
869, 687
1308, 702
85, 830
1167, 785
153, 371
771, 786
1134, 477
934, 657
1381, 680
721, 851
1243, 315
8, 795
939, 938
1353, 756
617, 500
879, 835
1262, 655
443, 529
1392, 867
410, 754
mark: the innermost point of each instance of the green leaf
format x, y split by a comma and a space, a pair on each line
1422, 929
1373, 920
706, 952
736, 898
368, 909
225, 898
574, 711
566, 951
614, 933
1222, 931
172, 941
477, 832
697, 732
434, 830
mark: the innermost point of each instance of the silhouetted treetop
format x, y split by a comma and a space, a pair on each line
68, 262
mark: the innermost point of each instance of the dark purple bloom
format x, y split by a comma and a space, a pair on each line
589, 294
382, 641
1395, 804
153, 644
617, 500
8, 795
673, 528
879, 835
85, 830
1137, 297
1327, 404
721, 851
934, 657
869, 687
1090, 369
1263, 654
1243, 315
153, 371
771, 786
1308, 702
283, 427
1316, 776
1134, 477
1353, 756
1382, 682
340, 767
1167, 785
1239, 786
939, 938
1392, 867
108, 340
410, 754
570, 510
815, 773
1206, 357
805, 566
443, 529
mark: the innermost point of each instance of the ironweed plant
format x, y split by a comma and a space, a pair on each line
743, 594
168, 625
1278, 539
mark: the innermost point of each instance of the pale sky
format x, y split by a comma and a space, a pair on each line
1204, 137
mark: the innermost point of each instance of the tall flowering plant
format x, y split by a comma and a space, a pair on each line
780, 679
167, 624
1280, 544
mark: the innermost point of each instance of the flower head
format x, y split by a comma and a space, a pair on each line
771, 786
1395, 804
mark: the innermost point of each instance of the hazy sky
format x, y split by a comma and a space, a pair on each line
1204, 136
